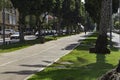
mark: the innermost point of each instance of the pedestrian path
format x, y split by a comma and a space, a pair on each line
20, 64
116, 40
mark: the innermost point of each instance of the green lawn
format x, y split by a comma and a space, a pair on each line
80, 64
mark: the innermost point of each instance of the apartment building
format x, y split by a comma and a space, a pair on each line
11, 19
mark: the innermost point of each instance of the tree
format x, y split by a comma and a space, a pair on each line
6, 3
23, 11
116, 19
105, 20
38, 8
105, 23
93, 7
77, 13
57, 12
67, 10
72, 14
32, 7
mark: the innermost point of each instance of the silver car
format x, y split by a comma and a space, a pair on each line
16, 35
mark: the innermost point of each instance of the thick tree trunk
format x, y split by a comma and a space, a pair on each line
102, 41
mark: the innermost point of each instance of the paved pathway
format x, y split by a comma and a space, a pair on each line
22, 63
116, 40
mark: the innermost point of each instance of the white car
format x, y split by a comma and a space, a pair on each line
16, 35
8, 31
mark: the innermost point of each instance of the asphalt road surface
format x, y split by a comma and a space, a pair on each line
19, 65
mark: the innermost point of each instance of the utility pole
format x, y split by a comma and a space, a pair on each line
3, 19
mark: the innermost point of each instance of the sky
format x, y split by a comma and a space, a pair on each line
82, 0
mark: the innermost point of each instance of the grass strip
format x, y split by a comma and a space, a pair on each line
80, 64
25, 44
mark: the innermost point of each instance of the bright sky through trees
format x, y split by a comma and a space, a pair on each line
83, 1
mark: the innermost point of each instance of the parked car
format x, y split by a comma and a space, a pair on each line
46, 32
16, 35
42, 33
8, 31
28, 33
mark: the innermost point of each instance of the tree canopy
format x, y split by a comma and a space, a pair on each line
93, 7
67, 11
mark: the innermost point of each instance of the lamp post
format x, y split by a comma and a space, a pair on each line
3, 19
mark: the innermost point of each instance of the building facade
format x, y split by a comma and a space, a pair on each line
11, 19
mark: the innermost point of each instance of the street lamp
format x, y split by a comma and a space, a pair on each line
3, 19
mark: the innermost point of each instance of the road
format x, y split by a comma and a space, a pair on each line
19, 65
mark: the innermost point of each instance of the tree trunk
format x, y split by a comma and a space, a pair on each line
58, 26
39, 28
21, 26
68, 29
102, 41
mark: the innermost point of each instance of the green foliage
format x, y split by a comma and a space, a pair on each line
71, 15
22, 6
116, 19
117, 25
31, 20
32, 7
80, 64
57, 8
6, 4
94, 7
66, 9
115, 5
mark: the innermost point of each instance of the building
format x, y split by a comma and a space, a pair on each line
11, 19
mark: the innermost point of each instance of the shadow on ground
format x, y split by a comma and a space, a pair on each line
23, 72
71, 72
70, 47
90, 43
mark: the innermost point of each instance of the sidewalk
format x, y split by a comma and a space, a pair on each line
19, 65
116, 40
